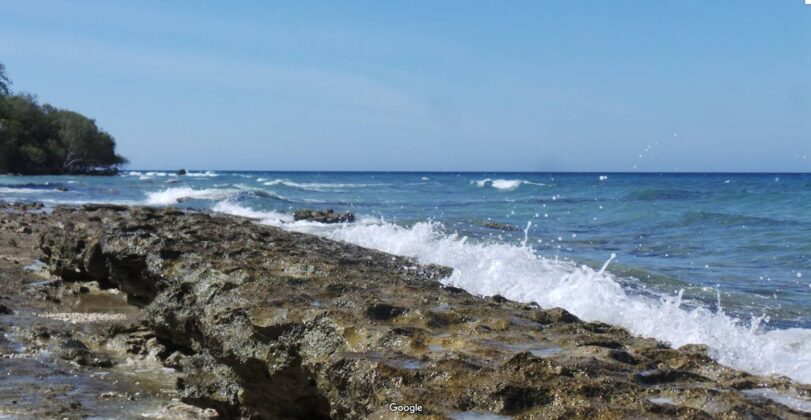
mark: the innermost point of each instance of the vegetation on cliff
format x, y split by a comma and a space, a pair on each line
42, 139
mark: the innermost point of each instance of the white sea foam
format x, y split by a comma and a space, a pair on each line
314, 186
145, 176
267, 217
162, 174
519, 274
504, 184
209, 174
4, 190
176, 195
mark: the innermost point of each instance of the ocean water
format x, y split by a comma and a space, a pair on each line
716, 259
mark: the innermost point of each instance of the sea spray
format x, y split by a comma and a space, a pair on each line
772, 214
526, 234
605, 266
517, 273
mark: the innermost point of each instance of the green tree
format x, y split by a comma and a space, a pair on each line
4, 81
82, 144
42, 139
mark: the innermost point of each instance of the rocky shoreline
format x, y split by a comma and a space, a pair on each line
216, 316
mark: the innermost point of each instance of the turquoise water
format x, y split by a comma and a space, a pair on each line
736, 246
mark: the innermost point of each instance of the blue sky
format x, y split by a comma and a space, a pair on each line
417, 85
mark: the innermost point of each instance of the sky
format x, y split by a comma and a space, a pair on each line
588, 85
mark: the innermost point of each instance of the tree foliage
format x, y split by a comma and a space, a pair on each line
4, 81
42, 139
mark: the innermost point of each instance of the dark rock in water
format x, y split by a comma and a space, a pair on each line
71, 349
498, 226
324, 216
62, 189
266, 323
76, 351
181, 172
5, 310
104, 206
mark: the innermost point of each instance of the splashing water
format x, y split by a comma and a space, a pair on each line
526, 234
749, 236
518, 274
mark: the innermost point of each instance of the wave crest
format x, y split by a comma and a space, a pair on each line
504, 184
176, 195
313, 186
519, 274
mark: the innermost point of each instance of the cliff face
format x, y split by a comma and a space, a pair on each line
266, 323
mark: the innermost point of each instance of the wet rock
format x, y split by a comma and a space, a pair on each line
266, 323
174, 360
5, 310
76, 351
498, 226
324, 216
554, 315
663, 376
72, 349
383, 311
104, 206
180, 172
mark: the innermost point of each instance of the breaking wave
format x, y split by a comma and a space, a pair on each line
236, 192
517, 273
312, 186
208, 174
267, 217
179, 194
504, 184
144, 176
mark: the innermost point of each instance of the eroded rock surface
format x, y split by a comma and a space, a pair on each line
324, 216
69, 349
266, 323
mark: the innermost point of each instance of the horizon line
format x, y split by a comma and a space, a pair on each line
486, 171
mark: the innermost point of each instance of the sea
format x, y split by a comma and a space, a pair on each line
717, 259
